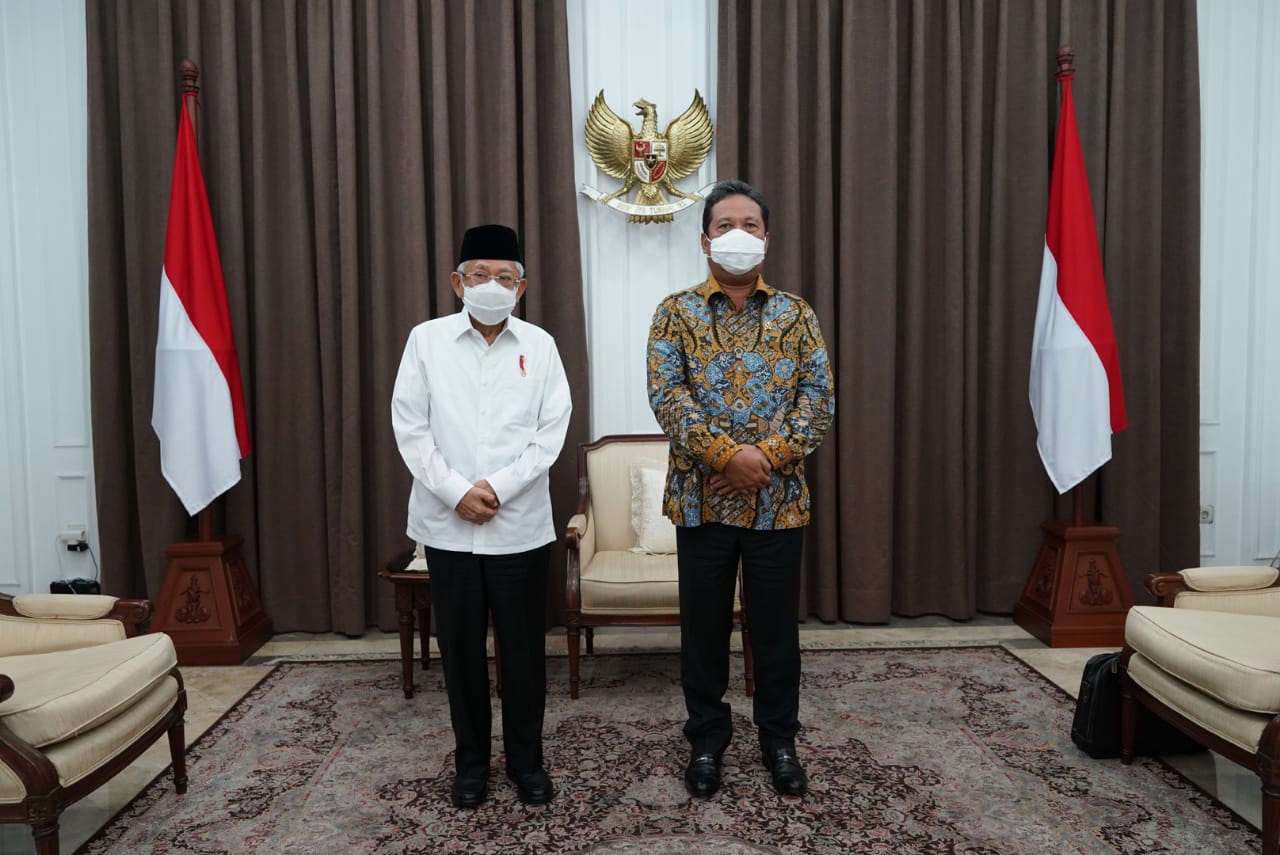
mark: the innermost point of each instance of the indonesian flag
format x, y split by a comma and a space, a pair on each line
1076, 394
198, 412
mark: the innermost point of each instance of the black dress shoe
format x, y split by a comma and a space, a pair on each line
789, 778
469, 792
702, 776
533, 788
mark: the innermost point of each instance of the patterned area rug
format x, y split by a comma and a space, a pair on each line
921, 750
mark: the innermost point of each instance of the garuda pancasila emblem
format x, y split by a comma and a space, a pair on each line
654, 160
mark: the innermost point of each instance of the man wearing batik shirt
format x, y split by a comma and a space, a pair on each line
739, 380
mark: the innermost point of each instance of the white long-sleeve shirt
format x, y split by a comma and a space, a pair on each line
465, 411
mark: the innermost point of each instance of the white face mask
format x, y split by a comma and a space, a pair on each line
737, 251
489, 302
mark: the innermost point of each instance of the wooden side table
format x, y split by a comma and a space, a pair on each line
413, 593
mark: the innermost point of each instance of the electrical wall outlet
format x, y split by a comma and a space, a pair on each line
72, 534
1206, 515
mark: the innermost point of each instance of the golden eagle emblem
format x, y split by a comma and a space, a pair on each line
654, 160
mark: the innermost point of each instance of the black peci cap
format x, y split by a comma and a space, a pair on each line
493, 242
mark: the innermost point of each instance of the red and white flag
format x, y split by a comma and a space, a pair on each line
1076, 394
198, 412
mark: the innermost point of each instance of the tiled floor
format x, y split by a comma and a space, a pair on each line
211, 691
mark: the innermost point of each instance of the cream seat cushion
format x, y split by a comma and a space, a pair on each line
626, 582
1244, 729
1232, 657
62, 694
635, 583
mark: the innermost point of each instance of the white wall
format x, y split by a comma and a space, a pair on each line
1240, 281
46, 468
663, 54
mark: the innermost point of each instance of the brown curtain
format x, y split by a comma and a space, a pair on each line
346, 147
905, 147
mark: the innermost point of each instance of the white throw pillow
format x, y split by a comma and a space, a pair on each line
654, 532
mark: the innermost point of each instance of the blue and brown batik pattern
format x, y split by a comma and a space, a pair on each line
720, 377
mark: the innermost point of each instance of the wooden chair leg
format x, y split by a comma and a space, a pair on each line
46, 837
1271, 821
572, 639
178, 754
1267, 765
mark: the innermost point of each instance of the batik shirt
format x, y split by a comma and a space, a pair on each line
720, 376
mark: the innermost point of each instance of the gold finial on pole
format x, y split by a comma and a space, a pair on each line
1066, 62
189, 73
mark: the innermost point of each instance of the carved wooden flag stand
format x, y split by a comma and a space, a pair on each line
208, 603
1077, 594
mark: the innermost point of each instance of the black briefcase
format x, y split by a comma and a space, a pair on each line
1096, 725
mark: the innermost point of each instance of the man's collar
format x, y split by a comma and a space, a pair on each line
712, 286
460, 324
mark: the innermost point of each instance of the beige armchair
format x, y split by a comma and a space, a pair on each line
1207, 660
621, 554
82, 694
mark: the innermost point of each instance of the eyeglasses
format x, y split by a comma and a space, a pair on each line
478, 277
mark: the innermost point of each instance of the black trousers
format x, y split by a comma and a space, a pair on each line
708, 560
466, 588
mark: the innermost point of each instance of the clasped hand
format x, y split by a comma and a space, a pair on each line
479, 505
748, 470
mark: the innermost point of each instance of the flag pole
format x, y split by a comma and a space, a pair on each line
190, 74
1077, 594
1066, 57
208, 603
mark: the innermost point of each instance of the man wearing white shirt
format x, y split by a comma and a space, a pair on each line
480, 411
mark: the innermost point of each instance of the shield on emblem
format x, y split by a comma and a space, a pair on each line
649, 159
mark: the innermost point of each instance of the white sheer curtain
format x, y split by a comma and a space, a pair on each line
662, 52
